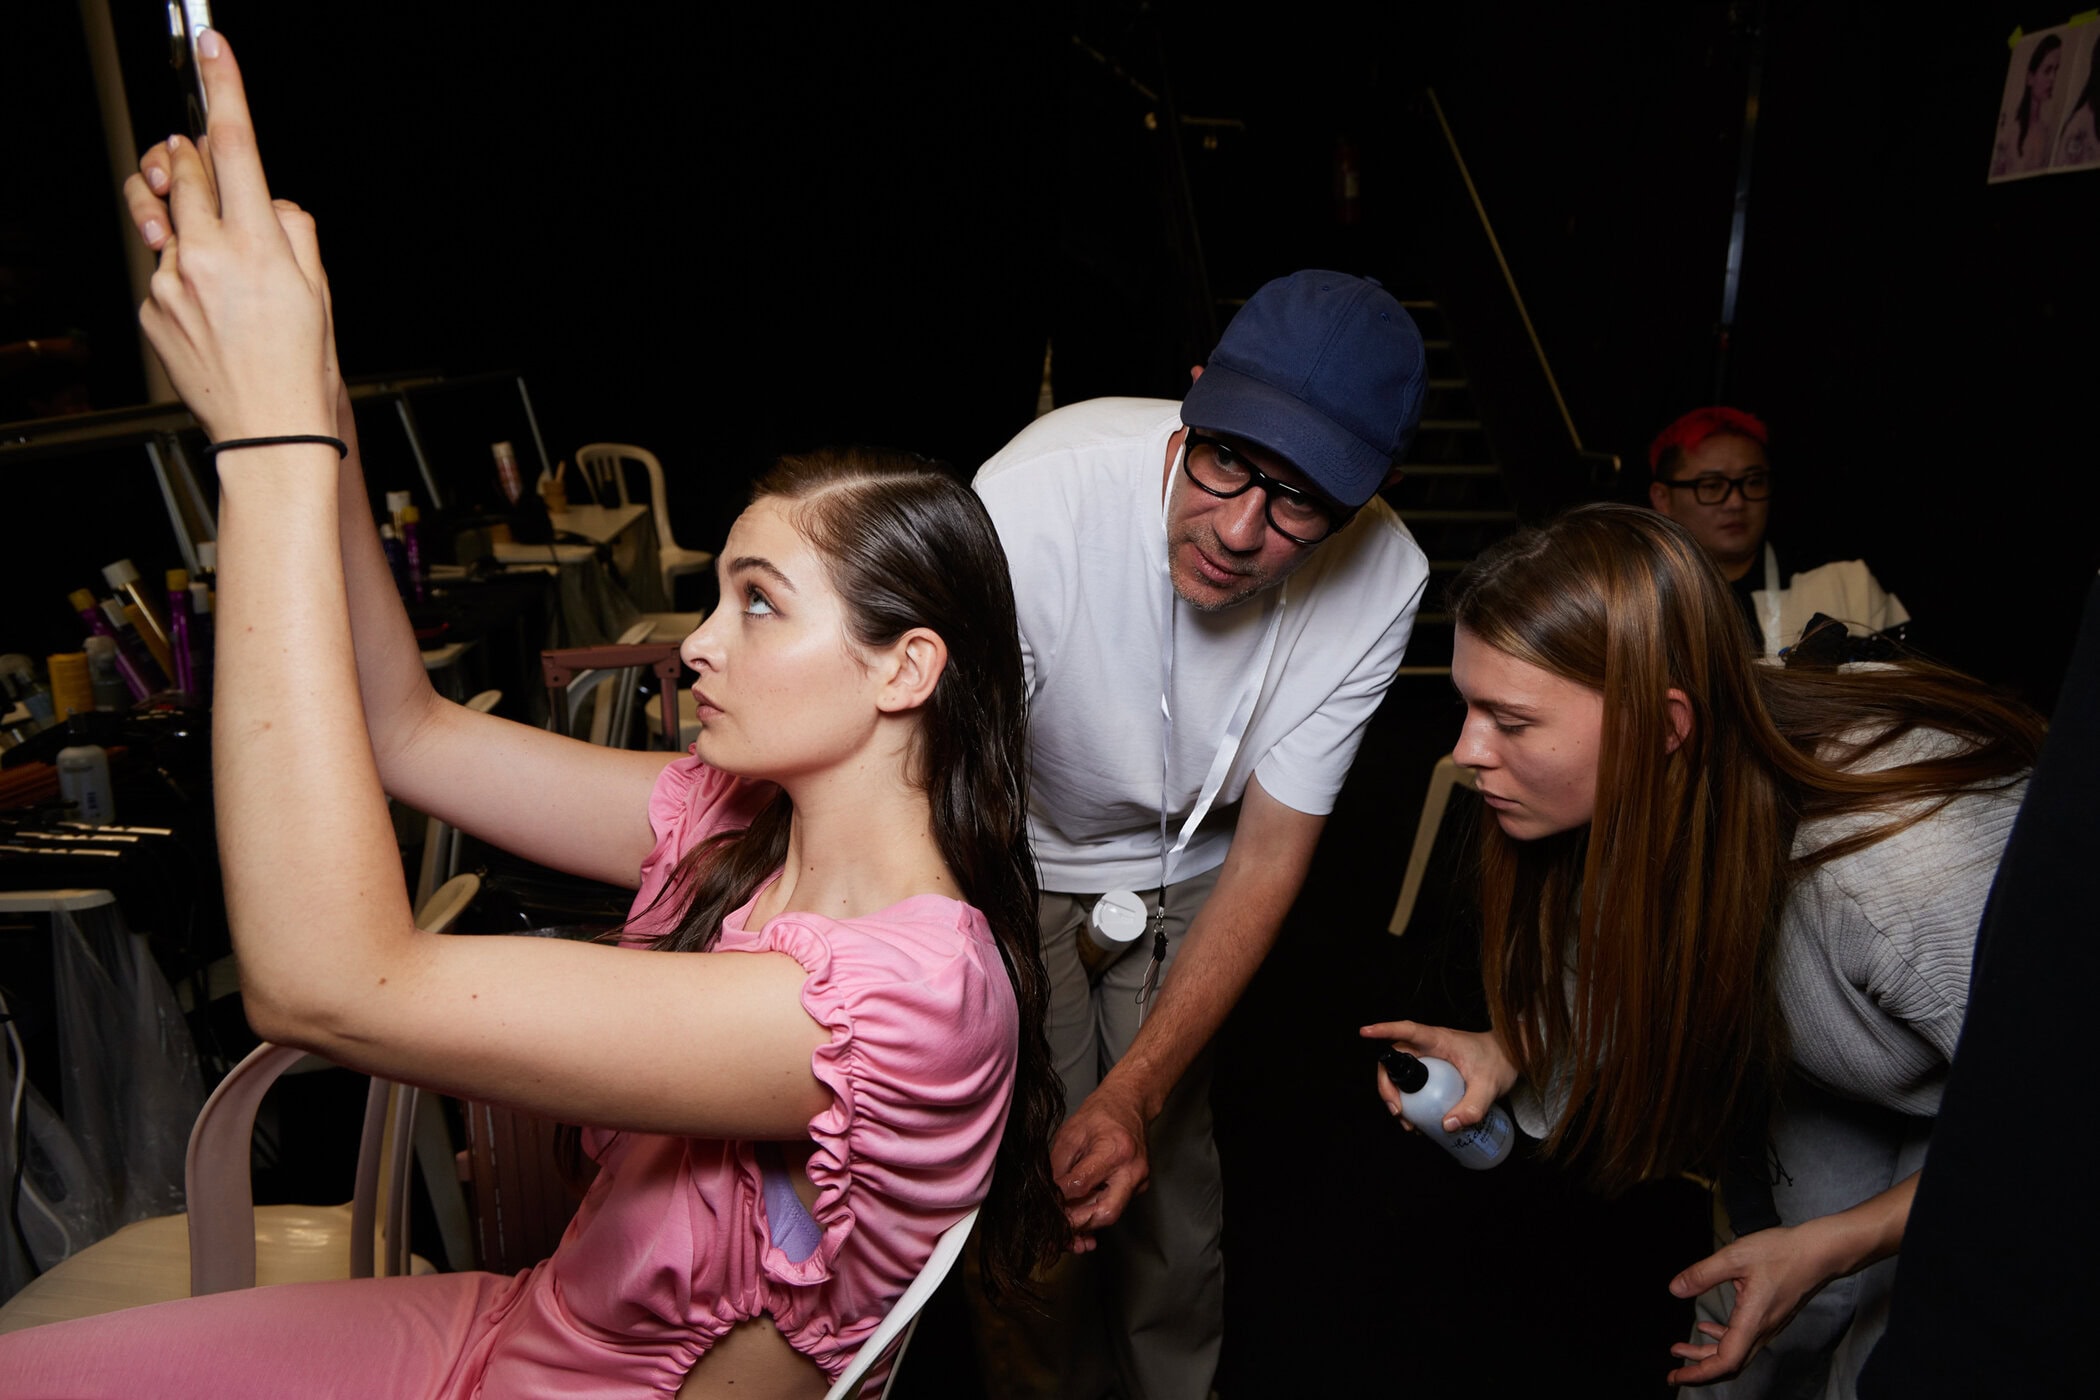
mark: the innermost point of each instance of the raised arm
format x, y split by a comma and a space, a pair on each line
700, 1044
573, 806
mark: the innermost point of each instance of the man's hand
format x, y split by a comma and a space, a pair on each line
1098, 1161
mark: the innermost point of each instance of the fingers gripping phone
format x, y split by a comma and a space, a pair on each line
186, 20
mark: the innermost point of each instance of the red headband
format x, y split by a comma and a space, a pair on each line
1699, 425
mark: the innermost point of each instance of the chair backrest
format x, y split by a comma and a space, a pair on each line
561, 667
220, 1190
600, 463
606, 460
608, 720
1446, 776
894, 1334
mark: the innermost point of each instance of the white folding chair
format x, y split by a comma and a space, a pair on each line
894, 1333
602, 468
1442, 779
225, 1241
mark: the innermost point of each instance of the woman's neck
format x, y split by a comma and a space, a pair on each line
856, 845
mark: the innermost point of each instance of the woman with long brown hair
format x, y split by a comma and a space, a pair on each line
1720, 896
821, 1043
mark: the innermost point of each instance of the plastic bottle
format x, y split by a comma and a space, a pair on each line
201, 626
1429, 1090
508, 477
19, 685
179, 640
97, 625
83, 780
72, 692
123, 580
106, 673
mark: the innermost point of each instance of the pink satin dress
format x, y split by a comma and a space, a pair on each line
671, 1246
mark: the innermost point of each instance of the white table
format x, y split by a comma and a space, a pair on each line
626, 529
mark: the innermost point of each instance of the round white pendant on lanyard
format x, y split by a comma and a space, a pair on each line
1117, 921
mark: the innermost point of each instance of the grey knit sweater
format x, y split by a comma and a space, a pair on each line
1874, 950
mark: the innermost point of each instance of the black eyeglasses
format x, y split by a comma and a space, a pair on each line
1222, 470
1713, 488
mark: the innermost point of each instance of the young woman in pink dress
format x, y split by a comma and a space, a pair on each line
823, 1028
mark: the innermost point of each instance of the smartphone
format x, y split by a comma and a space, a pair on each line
186, 20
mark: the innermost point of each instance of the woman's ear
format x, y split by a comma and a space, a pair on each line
916, 661
1678, 710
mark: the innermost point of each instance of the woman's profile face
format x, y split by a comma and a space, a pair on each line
781, 687
2042, 81
1531, 738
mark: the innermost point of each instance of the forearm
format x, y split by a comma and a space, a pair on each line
1226, 941
312, 876
396, 691
1867, 1233
1218, 958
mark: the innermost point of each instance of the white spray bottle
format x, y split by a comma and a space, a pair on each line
1429, 1090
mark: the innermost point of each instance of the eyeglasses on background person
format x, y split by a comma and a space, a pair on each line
1714, 488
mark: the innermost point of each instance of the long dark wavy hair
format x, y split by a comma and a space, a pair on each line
1636, 953
906, 545
2026, 114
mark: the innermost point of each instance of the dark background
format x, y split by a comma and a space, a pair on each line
725, 236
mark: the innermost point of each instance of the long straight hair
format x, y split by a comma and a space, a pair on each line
1634, 955
906, 545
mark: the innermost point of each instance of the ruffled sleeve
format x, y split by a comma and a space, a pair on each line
920, 1066
690, 802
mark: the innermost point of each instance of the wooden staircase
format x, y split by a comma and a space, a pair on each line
1451, 495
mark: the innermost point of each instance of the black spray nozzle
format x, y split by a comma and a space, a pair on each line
1407, 1073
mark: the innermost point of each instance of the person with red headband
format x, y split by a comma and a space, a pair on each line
1709, 472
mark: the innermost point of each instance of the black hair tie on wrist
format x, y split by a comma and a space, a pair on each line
342, 449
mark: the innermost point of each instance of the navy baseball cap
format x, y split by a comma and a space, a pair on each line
1323, 369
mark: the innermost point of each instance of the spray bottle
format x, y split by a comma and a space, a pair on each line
1429, 1090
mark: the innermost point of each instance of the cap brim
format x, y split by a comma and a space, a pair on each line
1336, 460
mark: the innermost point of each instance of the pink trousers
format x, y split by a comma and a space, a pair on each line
387, 1339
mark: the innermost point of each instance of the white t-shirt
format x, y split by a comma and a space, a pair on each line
1077, 500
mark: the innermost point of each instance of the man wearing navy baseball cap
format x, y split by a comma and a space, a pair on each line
1212, 602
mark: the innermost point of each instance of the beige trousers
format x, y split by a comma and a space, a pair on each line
1142, 1317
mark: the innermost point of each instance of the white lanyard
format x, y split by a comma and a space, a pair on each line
1220, 766
1772, 638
